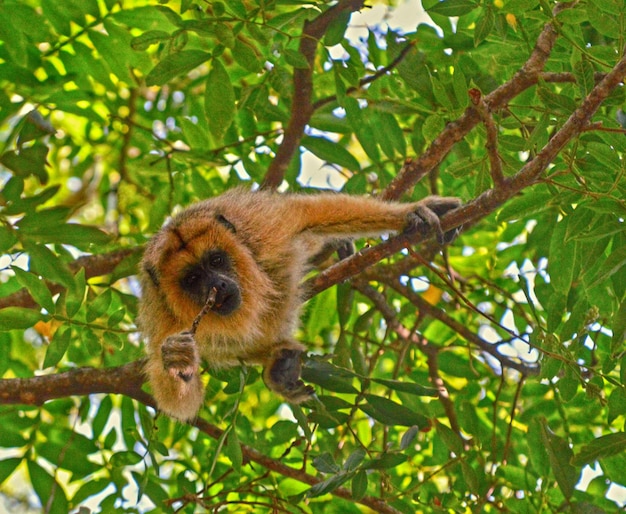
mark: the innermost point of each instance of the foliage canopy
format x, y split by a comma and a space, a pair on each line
490, 377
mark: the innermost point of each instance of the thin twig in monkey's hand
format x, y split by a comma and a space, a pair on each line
208, 305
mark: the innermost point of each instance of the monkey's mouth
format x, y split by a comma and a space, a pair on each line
227, 303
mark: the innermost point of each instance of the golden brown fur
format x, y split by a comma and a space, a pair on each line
266, 240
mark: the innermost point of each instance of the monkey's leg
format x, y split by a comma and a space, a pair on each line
173, 372
282, 374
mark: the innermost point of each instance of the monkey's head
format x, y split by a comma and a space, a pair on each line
197, 251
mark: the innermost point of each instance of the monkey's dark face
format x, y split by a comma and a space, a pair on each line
213, 270
198, 250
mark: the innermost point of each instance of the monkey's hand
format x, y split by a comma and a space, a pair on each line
282, 375
426, 217
173, 373
180, 355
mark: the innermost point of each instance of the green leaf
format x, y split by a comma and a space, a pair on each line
432, 127
386, 461
115, 49
225, 35
74, 234
354, 460
559, 103
584, 74
616, 404
450, 438
219, 100
46, 487
175, 65
600, 448
98, 306
232, 450
296, 59
408, 437
337, 28
331, 152
57, 347
125, 458
36, 287
484, 25
560, 455
325, 463
75, 293
561, 259
359, 485
46, 263
614, 263
246, 56
604, 22
407, 387
18, 318
7, 467
389, 412
147, 39
528, 203
605, 155
28, 161
57, 16
328, 376
618, 324
328, 485
452, 7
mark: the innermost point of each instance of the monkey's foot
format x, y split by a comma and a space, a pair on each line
427, 214
283, 376
180, 356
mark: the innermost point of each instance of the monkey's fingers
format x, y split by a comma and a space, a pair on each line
283, 376
427, 217
180, 356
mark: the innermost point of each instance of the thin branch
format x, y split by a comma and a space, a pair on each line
428, 349
95, 266
381, 72
458, 327
491, 145
455, 131
301, 106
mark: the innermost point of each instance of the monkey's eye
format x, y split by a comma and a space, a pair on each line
217, 260
190, 280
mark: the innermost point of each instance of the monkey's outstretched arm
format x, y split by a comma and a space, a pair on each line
337, 215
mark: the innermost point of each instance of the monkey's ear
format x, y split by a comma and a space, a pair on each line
152, 273
221, 219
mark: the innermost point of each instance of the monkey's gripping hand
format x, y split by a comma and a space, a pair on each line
180, 356
426, 217
282, 375
174, 374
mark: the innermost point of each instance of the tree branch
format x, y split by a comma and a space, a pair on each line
301, 106
487, 202
455, 131
95, 266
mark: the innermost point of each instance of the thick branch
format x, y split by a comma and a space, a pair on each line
126, 379
301, 106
